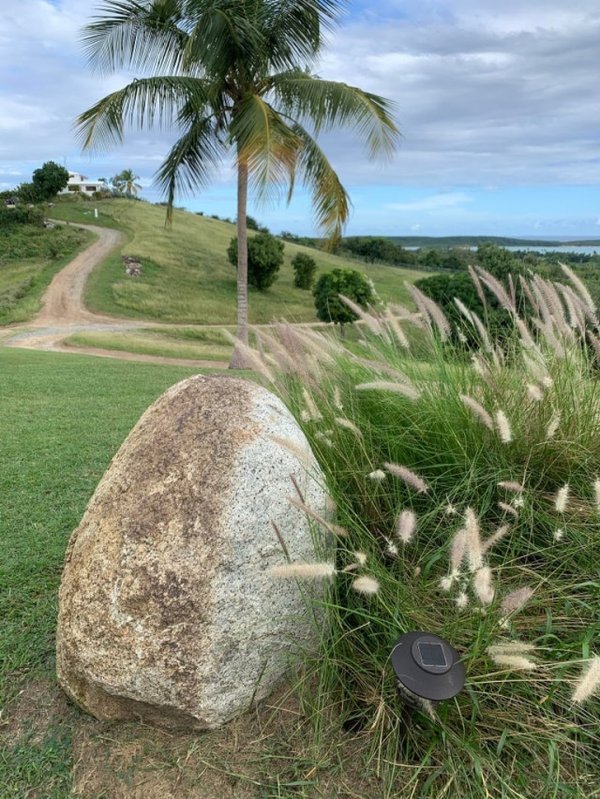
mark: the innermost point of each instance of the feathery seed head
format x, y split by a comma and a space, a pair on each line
391, 548
377, 475
589, 681
553, 426
304, 571
559, 534
361, 558
406, 524
510, 648
561, 500
503, 426
495, 537
337, 398
509, 485
482, 585
534, 393
366, 585
346, 423
313, 413
597, 494
514, 662
410, 478
457, 550
478, 410
462, 600
516, 600
508, 508
473, 541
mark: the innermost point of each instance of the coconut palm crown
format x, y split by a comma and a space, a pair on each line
232, 76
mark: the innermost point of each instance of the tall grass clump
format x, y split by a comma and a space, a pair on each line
470, 508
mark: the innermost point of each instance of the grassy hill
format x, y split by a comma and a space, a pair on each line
186, 275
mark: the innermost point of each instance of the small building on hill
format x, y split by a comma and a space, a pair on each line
80, 184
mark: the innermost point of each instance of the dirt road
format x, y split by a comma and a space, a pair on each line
64, 313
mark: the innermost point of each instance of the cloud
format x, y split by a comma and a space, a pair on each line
434, 202
487, 94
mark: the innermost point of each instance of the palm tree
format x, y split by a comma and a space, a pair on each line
233, 77
128, 181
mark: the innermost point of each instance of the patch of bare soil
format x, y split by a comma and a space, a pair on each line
265, 754
36, 709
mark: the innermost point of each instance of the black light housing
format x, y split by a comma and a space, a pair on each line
427, 667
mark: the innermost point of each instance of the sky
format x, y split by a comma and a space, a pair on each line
498, 105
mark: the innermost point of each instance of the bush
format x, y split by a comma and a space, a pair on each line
469, 499
9, 217
347, 282
304, 268
265, 256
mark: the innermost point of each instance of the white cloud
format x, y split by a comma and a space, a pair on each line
488, 94
434, 202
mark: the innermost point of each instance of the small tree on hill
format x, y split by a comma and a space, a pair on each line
265, 256
348, 282
305, 268
49, 179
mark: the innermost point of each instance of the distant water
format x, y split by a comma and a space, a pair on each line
562, 248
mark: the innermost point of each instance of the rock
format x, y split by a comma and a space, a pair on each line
167, 612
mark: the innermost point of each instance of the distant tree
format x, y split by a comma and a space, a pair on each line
304, 268
348, 282
28, 193
497, 260
265, 256
125, 183
251, 223
49, 179
430, 259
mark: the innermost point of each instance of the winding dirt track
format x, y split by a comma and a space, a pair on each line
64, 313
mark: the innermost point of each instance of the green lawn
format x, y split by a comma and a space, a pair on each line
193, 343
62, 419
187, 277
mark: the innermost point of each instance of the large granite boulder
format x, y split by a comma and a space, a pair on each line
168, 613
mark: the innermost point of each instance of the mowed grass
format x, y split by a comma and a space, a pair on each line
63, 418
195, 344
29, 259
187, 277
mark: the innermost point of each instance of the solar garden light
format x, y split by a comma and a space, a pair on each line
427, 668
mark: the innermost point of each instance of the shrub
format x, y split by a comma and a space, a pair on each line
346, 282
265, 256
498, 458
304, 268
9, 217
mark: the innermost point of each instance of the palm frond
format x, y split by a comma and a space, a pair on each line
330, 103
266, 143
294, 29
144, 35
223, 38
331, 202
191, 161
143, 103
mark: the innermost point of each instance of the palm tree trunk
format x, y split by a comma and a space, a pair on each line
238, 361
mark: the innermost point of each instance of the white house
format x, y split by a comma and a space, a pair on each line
79, 183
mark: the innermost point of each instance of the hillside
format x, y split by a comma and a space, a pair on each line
186, 275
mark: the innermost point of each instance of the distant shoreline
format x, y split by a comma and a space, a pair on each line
502, 241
